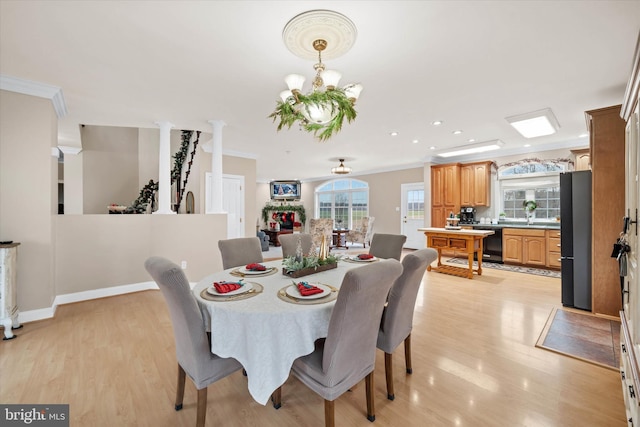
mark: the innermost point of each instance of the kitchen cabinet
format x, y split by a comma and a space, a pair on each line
475, 184
583, 159
524, 246
607, 144
445, 192
553, 248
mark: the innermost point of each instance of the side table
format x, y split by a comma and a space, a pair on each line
273, 235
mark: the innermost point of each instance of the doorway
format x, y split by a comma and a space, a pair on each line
232, 203
413, 214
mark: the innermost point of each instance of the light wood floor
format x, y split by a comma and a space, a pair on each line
474, 357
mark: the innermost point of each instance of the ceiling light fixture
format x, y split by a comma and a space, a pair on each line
323, 109
456, 132
436, 123
537, 123
480, 147
341, 169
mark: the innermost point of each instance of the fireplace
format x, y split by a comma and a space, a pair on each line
286, 220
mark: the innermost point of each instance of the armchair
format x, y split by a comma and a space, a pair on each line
362, 233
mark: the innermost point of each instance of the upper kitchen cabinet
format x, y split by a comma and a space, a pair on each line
445, 192
475, 184
583, 159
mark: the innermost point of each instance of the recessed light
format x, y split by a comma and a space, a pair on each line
527, 145
471, 140
437, 122
415, 141
456, 132
583, 135
474, 148
433, 147
394, 134
534, 124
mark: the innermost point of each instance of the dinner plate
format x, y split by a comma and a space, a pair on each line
293, 292
356, 259
244, 270
246, 287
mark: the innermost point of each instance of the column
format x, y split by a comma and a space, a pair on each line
164, 169
216, 167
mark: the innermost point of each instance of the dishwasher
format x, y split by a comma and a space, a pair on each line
492, 244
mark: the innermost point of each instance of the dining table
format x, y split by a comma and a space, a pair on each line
269, 325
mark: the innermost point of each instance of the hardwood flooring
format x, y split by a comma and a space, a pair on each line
474, 364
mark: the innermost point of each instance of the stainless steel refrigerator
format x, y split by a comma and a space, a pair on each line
575, 238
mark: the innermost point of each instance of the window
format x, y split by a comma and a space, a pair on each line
346, 201
532, 180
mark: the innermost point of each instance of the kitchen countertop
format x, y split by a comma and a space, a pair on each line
539, 226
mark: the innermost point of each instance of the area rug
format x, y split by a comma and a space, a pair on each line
582, 336
507, 267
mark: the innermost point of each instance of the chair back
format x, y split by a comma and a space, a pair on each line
289, 243
387, 245
240, 251
319, 227
192, 345
350, 347
397, 318
368, 229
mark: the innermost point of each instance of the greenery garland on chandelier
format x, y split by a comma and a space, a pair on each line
299, 209
290, 111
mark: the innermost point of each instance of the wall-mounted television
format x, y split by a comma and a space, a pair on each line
285, 190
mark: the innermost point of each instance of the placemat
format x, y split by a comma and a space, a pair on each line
282, 294
268, 272
257, 289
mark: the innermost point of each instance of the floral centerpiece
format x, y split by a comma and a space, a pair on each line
298, 266
529, 207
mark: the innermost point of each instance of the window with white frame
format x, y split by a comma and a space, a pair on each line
346, 201
538, 181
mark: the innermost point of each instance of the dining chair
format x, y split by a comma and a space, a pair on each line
240, 251
397, 317
362, 232
319, 227
289, 243
387, 245
348, 353
193, 350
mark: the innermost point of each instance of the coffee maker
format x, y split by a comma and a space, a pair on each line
468, 215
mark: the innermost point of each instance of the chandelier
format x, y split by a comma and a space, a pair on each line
341, 169
323, 109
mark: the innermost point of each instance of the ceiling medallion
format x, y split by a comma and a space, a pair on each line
323, 109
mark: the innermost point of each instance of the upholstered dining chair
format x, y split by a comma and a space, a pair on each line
319, 227
387, 245
240, 251
362, 233
348, 353
397, 317
289, 243
193, 351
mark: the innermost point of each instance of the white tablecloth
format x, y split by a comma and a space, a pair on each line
264, 333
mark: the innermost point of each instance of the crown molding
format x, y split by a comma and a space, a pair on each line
41, 90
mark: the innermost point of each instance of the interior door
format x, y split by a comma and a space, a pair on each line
413, 214
232, 203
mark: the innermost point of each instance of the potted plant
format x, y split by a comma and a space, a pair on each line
502, 216
529, 207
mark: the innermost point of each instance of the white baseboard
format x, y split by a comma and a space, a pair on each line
47, 313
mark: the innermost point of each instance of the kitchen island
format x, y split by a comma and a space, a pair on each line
469, 240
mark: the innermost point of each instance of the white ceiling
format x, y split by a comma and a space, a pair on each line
468, 63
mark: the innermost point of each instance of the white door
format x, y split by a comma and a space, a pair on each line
232, 203
413, 214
